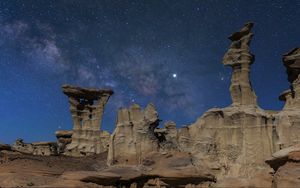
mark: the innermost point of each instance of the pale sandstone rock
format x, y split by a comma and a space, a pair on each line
36, 148
232, 142
22, 147
285, 152
280, 157
286, 163
44, 148
226, 139
86, 106
288, 120
291, 61
133, 137
228, 145
239, 58
64, 137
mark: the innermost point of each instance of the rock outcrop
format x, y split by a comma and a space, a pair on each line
286, 164
63, 139
133, 137
240, 145
35, 148
173, 170
288, 120
87, 107
291, 61
233, 142
5, 147
239, 58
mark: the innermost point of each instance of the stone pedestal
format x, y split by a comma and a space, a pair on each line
86, 106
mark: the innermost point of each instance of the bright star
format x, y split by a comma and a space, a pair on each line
174, 75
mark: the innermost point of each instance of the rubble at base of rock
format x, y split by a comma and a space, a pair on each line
240, 145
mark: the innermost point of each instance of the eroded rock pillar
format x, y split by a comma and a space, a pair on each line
239, 58
87, 107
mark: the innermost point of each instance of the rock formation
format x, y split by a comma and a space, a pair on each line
239, 58
288, 120
63, 139
35, 148
240, 145
291, 61
5, 147
87, 107
286, 164
224, 140
133, 137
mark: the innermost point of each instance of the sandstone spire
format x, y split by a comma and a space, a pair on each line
86, 106
239, 58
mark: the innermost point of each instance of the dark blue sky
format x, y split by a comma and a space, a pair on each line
135, 48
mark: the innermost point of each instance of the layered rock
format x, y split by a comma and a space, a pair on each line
44, 148
156, 170
227, 138
87, 107
291, 61
133, 137
225, 147
286, 164
63, 139
167, 137
224, 140
288, 119
35, 148
239, 58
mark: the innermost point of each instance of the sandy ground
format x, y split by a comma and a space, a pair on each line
20, 170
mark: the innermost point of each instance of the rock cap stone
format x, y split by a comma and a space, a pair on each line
91, 93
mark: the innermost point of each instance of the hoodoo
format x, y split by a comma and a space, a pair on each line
87, 107
240, 145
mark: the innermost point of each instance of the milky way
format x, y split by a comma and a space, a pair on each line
165, 52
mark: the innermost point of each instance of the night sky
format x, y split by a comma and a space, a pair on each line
160, 51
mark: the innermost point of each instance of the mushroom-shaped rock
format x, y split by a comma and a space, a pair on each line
87, 107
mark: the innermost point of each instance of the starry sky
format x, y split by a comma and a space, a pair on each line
167, 52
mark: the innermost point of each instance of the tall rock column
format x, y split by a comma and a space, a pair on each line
86, 106
239, 58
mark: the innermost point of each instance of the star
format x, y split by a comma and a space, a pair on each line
174, 75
